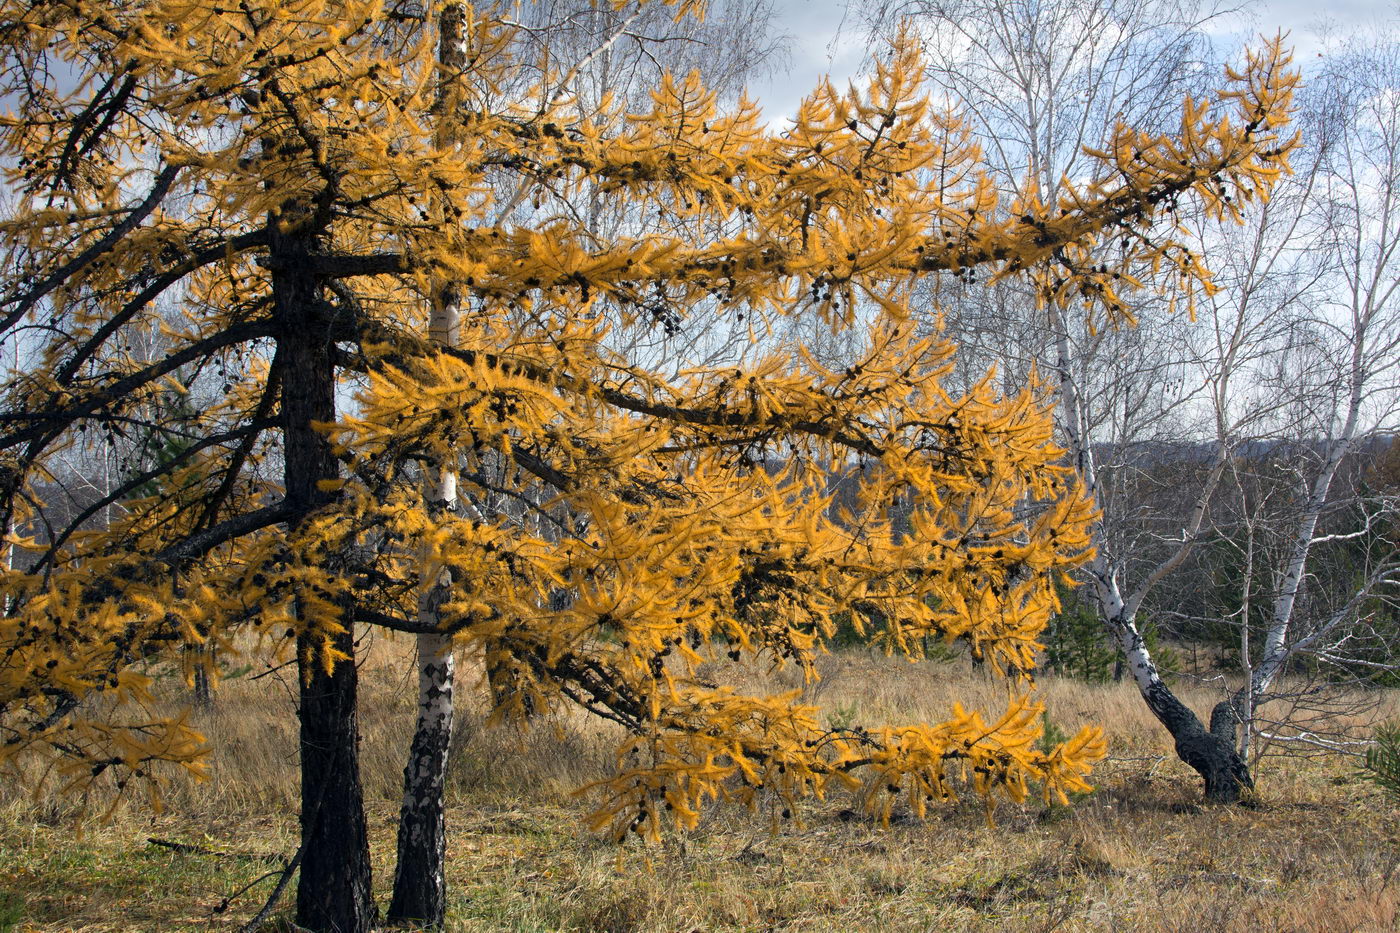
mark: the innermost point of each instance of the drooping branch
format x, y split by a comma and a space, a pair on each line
167, 279
41, 424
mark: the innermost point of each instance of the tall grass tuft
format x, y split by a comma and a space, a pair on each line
1382, 766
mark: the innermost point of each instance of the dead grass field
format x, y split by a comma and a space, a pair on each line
1319, 852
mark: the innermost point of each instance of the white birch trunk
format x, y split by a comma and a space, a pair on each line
1276, 649
420, 882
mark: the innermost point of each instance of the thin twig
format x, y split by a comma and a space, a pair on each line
186, 848
252, 925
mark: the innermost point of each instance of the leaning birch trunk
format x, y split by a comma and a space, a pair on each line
1276, 640
1210, 752
420, 880
1359, 198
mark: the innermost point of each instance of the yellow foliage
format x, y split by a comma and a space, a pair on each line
631, 516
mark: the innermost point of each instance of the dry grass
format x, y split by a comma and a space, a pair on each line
1319, 853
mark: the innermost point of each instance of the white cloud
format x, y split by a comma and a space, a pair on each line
828, 40
825, 40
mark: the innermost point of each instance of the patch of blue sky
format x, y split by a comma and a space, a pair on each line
829, 38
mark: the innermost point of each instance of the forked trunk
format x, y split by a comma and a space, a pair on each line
1210, 752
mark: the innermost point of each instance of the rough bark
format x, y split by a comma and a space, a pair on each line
1210, 752
1224, 722
420, 884
334, 893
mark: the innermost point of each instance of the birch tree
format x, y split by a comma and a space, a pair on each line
613, 54
1334, 387
1048, 83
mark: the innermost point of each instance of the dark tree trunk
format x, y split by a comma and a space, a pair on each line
201, 690
333, 891
504, 681
420, 882
1211, 752
334, 894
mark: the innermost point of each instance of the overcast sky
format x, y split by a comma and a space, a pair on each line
826, 40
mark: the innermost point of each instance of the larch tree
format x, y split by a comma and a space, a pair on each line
302, 199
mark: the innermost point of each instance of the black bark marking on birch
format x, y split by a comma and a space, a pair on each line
1210, 752
1224, 720
420, 884
1212, 756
